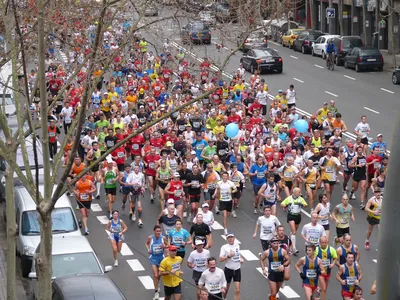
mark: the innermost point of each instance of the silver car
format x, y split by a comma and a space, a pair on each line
208, 17
256, 39
151, 10
9, 105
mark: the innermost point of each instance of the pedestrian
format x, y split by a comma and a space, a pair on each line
373, 208
269, 193
213, 279
328, 256
53, 132
342, 213
323, 211
116, 228
179, 237
347, 247
197, 261
267, 225
225, 189
349, 276
312, 232
84, 189
171, 272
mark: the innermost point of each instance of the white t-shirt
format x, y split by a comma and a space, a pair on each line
213, 281
267, 227
313, 233
363, 129
291, 96
67, 113
136, 179
199, 259
232, 263
225, 189
262, 97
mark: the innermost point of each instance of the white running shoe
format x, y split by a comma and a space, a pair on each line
140, 223
226, 231
156, 296
185, 214
116, 263
255, 211
189, 218
234, 214
133, 217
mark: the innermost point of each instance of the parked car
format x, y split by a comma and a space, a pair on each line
151, 10
396, 76
364, 58
305, 40
71, 255
28, 227
8, 93
255, 40
344, 45
196, 32
98, 287
289, 36
224, 13
279, 27
262, 59
208, 17
319, 46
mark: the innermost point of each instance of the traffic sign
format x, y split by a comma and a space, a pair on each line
382, 24
330, 12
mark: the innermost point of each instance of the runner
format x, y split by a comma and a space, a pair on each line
312, 267
53, 132
278, 261
268, 225
310, 176
359, 176
116, 228
174, 189
156, 244
170, 272
201, 231
347, 247
329, 257
84, 188
125, 189
258, 173
342, 213
163, 177
168, 220
197, 261
238, 179
329, 165
269, 193
213, 279
109, 176
346, 156
349, 276
373, 208
225, 189
288, 173
193, 182
151, 163
136, 183
323, 211
179, 237
312, 232
211, 178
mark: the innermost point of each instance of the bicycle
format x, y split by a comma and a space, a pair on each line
330, 64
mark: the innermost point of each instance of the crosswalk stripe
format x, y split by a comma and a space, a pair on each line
147, 281
217, 226
375, 261
136, 266
287, 291
248, 255
261, 272
95, 207
103, 219
236, 240
125, 250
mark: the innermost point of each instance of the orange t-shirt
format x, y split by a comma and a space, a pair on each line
83, 189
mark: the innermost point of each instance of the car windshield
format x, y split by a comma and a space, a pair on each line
62, 218
370, 52
199, 27
75, 263
7, 98
351, 43
263, 53
31, 157
313, 37
257, 35
297, 31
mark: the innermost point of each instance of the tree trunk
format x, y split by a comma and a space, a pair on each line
11, 233
43, 262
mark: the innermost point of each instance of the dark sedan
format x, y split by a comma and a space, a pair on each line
363, 58
196, 32
262, 60
396, 76
305, 40
255, 40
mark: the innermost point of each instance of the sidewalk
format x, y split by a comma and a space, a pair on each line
20, 291
388, 58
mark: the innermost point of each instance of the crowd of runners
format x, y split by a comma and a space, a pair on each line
186, 162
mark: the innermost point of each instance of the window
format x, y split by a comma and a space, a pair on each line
75, 263
250, 53
199, 27
303, 36
370, 52
351, 43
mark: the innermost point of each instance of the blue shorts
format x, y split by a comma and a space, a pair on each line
268, 203
116, 237
126, 190
256, 188
156, 261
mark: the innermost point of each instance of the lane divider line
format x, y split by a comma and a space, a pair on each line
147, 281
96, 207
294, 57
299, 80
318, 66
387, 91
349, 77
103, 219
248, 255
332, 94
370, 109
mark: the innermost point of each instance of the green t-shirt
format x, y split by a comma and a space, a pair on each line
100, 137
294, 205
108, 180
209, 152
101, 124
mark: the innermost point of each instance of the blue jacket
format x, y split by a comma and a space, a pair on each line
330, 48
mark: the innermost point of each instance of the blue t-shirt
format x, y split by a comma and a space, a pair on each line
382, 148
198, 147
261, 177
177, 237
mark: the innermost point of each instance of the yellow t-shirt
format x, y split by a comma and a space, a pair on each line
172, 265
131, 98
219, 129
113, 96
105, 105
239, 87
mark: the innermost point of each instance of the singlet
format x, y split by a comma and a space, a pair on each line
157, 251
288, 173
77, 169
124, 179
317, 143
311, 177
342, 258
343, 216
217, 168
376, 205
173, 164
350, 274
326, 258
294, 205
83, 188
322, 116
270, 194
360, 171
311, 270
324, 211
164, 175
108, 178
380, 184
116, 228
349, 157
330, 171
275, 260
177, 188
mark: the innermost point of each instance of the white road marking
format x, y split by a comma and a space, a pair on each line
217, 226
125, 250
288, 292
147, 281
103, 219
136, 267
374, 111
388, 91
306, 213
352, 78
236, 240
260, 270
298, 80
294, 57
318, 66
96, 207
375, 261
248, 255
332, 94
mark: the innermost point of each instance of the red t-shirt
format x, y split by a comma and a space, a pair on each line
234, 119
120, 154
373, 167
137, 143
151, 160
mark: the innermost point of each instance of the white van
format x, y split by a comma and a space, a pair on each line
28, 228
6, 90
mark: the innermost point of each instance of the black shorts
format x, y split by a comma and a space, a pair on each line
342, 231
171, 290
277, 178
237, 195
370, 177
264, 244
329, 182
162, 185
58, 109
289, 184
121, 167
295, 218
312, 186
236, 275
225, 205
256, 188
359, 177
126, 190
194, 198
349, 172
276, 276
95, 168
291, 105
373, 221
209, 195
196, 276
84, 204
215, 296
112, 191
364, 141
326, 227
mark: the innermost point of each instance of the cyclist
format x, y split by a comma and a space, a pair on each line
329, 50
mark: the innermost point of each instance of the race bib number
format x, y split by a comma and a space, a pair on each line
351, 280
195, 184
110, 181
199, 147
260, 175
151, 165
177, 240
121, 154
313, 240
196, 124
288, 174
214, 288
225, 196
67, 121
221, 152
345, 220
157, 249
178, 193
311, 274
84, 196
135, 147
267, 229
275, 265
164, 176
326, 262
296, 209
176, 267
200, 263
329, 170
211, 186
52, 134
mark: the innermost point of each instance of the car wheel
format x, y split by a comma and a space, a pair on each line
303, 50
394, 79
337, 61
279, 71
323, 54
346, 66
357, 68
25, 268
252, 69
294, 47
380, 69
312, 52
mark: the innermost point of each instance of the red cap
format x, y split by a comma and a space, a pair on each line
172, 248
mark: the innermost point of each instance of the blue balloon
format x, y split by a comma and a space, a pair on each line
301, 125
231, 130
